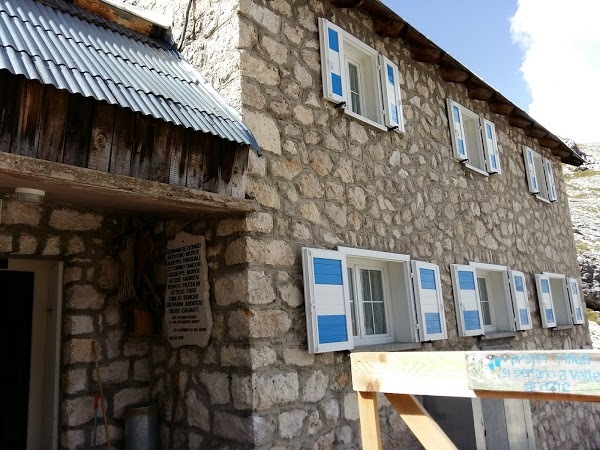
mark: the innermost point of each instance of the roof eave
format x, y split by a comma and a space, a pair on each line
388, 23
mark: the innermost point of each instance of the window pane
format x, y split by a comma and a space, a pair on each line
352, 302
353, 76
485, 301
373, 302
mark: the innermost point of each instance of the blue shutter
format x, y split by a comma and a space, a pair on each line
575, 301
490, 146
466, 298
550, 180
392, 102
332, 61
427, 289
520, 299
457, 130
328, 317
532, 180
547, 313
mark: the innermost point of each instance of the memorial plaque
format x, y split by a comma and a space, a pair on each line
187, 308
557, 372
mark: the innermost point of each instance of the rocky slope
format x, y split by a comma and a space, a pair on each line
583, 186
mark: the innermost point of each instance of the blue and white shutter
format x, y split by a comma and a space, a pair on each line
490, 146
466, 298
575, 300
520, 299
327, 301
532, 180
457, 130
545, 299
392, 101
427, 288
332, 61
550, 180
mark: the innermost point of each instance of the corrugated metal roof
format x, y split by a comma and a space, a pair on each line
69, 48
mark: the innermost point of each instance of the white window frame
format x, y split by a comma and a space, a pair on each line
492, 326
483, 146
372, 89
361, 88
545, 185
568, 306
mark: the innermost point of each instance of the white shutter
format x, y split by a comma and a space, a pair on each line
545, 299
490, 146
520, 299
392, 101
328, 316
530, 169
466, 298
332, 61
429, 301
575, 300
457, 130
550, 180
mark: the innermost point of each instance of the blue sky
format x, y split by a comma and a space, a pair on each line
544, 55
476, 33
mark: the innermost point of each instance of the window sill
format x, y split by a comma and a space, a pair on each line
365, 120
563, 328
478, 171
542, 199
394, 347
499, 335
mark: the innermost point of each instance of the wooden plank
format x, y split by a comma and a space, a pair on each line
102, 137
196, 150
179, 162
54, 124
117, 15
161, 152
122, 146
370, 430
233, 175
9, 89
555, 372
26, 131
143, 145
212, 155
426, 430
79, 127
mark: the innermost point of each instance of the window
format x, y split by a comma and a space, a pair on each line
474, 139
540, 176
359, 79
358, 297
560, 300
489, 298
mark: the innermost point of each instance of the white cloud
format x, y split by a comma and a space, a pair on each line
561, 66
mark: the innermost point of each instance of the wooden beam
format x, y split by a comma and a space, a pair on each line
519, 122
426, 430
535, 132
480, 93
501, 108
426, 54
388, 28
454, 75
370, 430
549, 143
347, 3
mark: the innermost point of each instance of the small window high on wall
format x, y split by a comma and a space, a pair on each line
560, 300
359, 298
489, 299
359, 79
540, 175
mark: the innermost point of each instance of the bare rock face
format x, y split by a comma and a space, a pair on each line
583, 186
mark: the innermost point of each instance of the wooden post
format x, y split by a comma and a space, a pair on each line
426, 430
369, 421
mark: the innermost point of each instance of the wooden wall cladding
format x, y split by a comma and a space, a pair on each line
40, 121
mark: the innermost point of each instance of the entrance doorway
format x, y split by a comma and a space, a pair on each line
30, 294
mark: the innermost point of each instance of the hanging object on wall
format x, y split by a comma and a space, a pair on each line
188, 317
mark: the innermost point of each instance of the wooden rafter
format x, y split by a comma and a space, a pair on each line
388, 28
501, 108
453, 74
480, 93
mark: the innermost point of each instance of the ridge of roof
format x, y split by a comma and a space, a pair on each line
387, 23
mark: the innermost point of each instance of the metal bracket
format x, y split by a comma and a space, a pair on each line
340, 105
393, 128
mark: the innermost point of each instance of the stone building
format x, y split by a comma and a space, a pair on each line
400, 203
